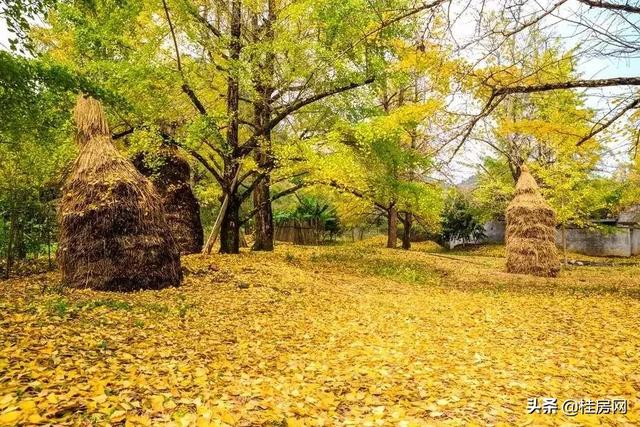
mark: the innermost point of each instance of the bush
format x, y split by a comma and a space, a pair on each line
460, 220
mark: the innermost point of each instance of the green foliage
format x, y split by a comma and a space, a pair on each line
17, 14
461, 220
628, 185
311, 209
35, 145
493, 188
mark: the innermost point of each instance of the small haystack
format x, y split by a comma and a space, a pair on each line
181, 208
113, 234
531, 231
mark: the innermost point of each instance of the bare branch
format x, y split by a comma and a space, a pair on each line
633, 104
612, 6
185, 86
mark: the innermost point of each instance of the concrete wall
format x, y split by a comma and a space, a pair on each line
616, 242
619, 241
635, 241
495, 231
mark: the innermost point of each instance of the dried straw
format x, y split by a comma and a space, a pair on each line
113, 234
531, 230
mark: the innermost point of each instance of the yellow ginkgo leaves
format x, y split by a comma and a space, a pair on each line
343, 335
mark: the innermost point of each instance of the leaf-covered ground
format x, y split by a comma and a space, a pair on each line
352, 334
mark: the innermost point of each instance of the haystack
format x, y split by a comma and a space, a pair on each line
531, 231
181, 208
113, 234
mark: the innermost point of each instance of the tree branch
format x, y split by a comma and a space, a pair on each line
122, 134
317, 97
273, 198
545, 87
194, 99
185, 86
633, 104
354, 192
204, 162
612, 6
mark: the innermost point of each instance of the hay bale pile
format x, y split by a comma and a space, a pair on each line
531, 231
181, 208
113, 234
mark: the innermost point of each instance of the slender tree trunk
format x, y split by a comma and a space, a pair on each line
215, 231
19, 245
392, 227
406, 235
49, 247
213, 236
564, 244
9, 254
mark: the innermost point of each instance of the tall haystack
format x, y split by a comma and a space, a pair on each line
181, 208
113, 234
531, 231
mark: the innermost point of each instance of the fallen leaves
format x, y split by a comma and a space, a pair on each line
322, 336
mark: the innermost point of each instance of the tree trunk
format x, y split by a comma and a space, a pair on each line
230, 228
9, 254
49, 248
264, 217
19, 244
392, 227
564, 244
262, 116
406, 235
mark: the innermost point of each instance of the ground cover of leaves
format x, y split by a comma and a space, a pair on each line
351, 334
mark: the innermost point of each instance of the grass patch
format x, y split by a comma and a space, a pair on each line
368, 261
402, 271
62, 307
109, 303
59, 307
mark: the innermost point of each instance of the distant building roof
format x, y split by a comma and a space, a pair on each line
630, 215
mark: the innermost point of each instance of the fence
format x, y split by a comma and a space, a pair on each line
308, 232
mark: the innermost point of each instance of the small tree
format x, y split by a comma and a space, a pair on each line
460, 220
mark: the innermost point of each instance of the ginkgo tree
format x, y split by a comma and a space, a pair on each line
542, 130
376, 161
226, 77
